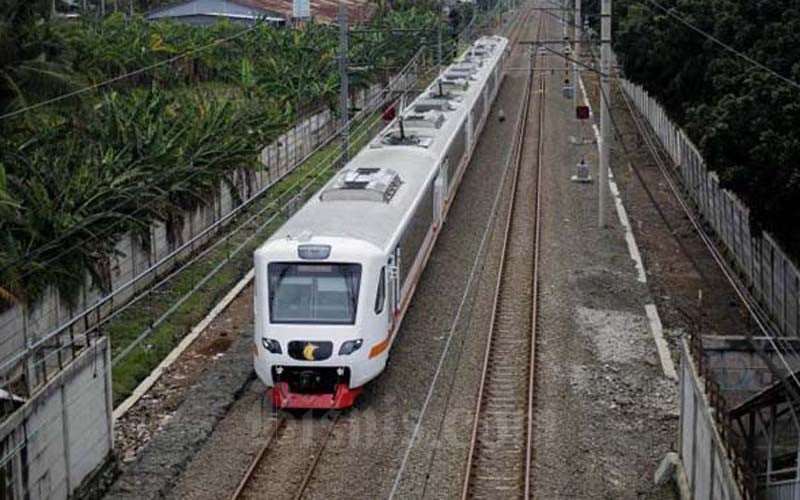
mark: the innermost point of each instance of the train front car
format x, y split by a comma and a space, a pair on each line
317, 318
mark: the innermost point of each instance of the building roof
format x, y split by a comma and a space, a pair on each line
233, 9
321, 10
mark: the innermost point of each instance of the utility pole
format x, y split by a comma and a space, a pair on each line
343, 90
605, 118
577, 54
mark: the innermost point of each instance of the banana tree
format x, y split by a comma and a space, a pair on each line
31, 67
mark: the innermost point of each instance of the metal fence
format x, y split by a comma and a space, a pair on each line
770, 274
705, 454
783, 490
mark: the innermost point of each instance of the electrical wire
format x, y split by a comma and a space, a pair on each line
33, 253
671, 13
129, 74
771, 338
323, 168
682, 19
362, 128
107, 231
785, 343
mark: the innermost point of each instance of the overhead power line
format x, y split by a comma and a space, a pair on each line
671, 13
771, 337
129, 74
183, 55
682, 19
103, 233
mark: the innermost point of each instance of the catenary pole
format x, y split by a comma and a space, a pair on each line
577, 55
605, 117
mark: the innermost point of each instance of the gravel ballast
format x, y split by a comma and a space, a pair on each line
179, 439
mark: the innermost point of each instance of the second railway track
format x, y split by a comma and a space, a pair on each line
499, 459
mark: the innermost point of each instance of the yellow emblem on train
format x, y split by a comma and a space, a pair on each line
308, 351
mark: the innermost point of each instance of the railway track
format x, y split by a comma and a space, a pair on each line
278, 435
499, 460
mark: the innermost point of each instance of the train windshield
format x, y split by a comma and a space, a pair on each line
313, 293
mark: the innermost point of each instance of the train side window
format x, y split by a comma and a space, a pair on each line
381, 296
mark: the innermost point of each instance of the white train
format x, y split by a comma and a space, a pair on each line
333, 283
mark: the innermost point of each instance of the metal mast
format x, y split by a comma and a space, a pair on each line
605, 97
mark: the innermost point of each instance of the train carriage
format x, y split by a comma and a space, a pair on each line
333, 283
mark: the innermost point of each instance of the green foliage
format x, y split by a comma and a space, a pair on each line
77, 175
745, 121
30, 66
136, 161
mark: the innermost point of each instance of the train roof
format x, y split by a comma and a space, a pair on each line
372, 197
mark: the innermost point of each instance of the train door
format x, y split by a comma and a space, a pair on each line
439, 192
393, 285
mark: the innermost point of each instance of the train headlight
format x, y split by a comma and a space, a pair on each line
350, 346
271, 345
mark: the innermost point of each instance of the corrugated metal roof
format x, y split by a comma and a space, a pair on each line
321, 10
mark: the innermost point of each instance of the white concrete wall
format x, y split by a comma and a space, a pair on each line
708, 470
64, 433
19, 326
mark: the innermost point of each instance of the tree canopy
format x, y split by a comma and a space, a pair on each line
745, 121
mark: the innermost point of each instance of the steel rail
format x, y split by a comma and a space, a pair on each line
273, 436
535, 296
271, 439
754, 308
279, 425
315, 460
518, 148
